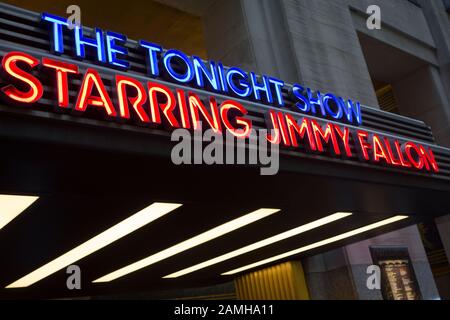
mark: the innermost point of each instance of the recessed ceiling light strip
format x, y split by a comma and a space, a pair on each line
188, 244
12, 205
262, 243
136, 221
317, 244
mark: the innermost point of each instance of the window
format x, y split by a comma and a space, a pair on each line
386, 97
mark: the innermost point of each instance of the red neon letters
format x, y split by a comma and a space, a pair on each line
155, 103
137, 101
86, 97
334, 140
62, 84
35, 90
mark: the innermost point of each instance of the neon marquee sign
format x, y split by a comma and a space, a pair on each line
154, 103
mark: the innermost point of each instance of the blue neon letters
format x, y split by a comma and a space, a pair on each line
209, 72
58, 23
327, 105
152, 57
109, 48
112, 48
81, 41
187, 75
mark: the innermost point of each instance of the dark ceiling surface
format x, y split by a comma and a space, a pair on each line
83, 191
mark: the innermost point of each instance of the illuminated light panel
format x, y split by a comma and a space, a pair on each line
12, 205
190, 243
136, 221
318, 244
262, 243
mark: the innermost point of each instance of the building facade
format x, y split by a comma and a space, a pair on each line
327, 45
403, 67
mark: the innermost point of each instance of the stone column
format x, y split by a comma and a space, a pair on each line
439, 25
250, 35
311, 42
422, 95
328, 54
329, 276
359, 258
